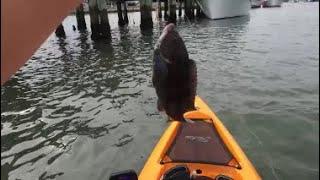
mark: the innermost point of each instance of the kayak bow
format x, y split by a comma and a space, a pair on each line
203, 145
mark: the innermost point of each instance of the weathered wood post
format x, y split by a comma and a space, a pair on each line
94, 19
146, 14
81, 23
104, 26
172, 11
119, 10
104, 22
166, 9
60, 31
188, 8
100, 26
193, 7
125, 12
159, 9
199, 11
197, 7
180, 8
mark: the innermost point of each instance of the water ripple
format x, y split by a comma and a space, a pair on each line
78, 100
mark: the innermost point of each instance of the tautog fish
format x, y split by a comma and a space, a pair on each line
174, 75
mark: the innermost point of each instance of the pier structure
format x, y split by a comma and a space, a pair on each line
99, 22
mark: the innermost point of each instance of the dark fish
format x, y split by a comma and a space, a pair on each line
174, 75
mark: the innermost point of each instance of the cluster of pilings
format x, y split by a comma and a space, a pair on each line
191, 9
81, 23
100, 26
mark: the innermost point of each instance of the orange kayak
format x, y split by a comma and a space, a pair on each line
202, 145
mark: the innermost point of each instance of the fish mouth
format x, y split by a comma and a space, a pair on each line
157, 48
170, 46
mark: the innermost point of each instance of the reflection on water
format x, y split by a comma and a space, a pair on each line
81, 109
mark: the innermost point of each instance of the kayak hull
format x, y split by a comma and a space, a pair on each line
238, 168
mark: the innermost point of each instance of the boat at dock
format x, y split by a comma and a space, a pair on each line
272, 3
265, 3
219, 9
256, 3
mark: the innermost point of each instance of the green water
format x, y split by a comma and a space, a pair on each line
81, 109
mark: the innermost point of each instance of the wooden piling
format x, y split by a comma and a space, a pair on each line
60, 31
94, 19
94, 22
199, 12
180, 8
146, 14
193, 7
125, 12
159, 9
120, 17
100, 27
104, 24
166, 10
189, 9
81, 23
172, 11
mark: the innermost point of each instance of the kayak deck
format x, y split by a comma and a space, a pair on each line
198, 142
203, 145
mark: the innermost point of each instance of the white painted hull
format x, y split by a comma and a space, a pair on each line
218, 9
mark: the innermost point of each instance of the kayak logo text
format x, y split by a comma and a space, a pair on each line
198, 139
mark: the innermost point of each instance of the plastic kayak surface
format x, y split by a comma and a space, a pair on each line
203, 145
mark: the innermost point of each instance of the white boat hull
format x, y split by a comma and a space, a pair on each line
218, 9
